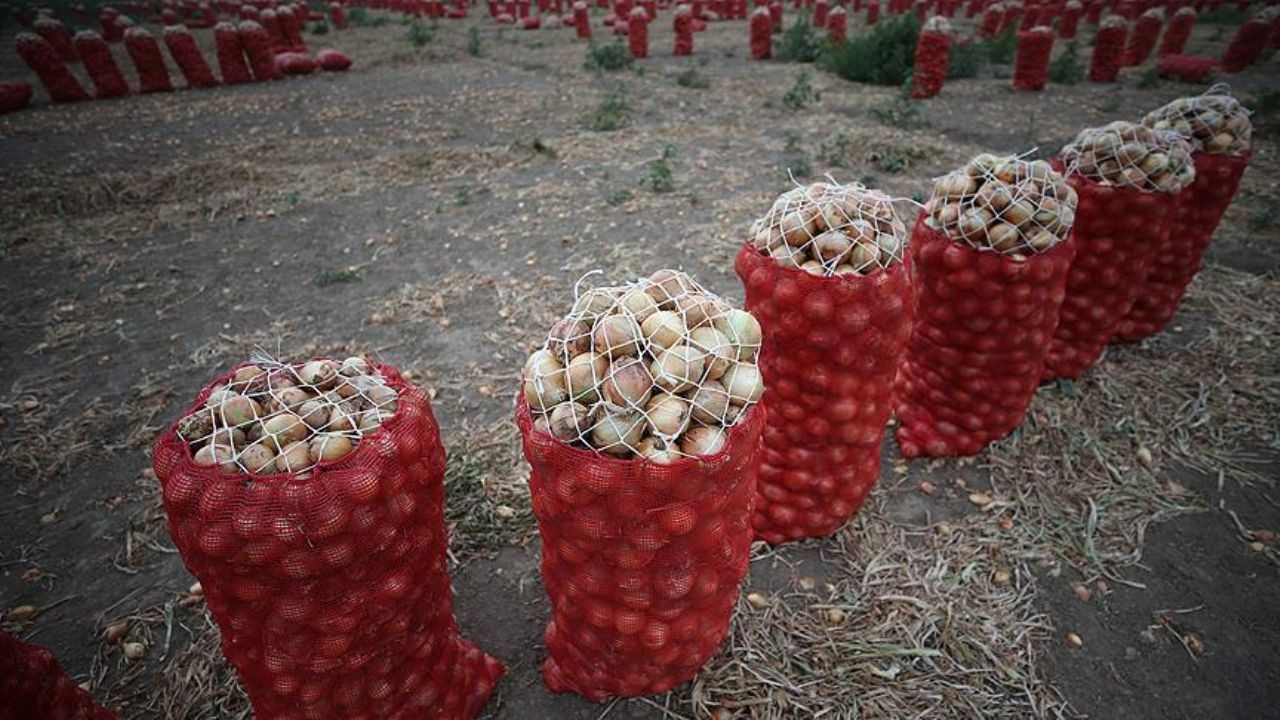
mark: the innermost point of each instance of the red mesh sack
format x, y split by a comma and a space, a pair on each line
775, 15
292, 63
1031, 65
332, 60
581, 20
40, 56
1108, 51
638, 32
820, 10
58, 37
144, 51
1176, 35
1070, 20
873, 13
990, 21
834, 331
761, 30
183, 50
1188, 68
329, 585
1143, 39
986, 297
931, 58
1219, 129
1247, 46
1027, 19
100, 65
531, 23
33, 686
14, 96
271, 23
169, 17
291, 29
837, 26
683, 26
1093, 12
338, 15
257, 47
231, 60
1123, 218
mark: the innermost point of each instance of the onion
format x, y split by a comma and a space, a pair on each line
664, 329
666, 414
319, 373
617, 335
290, 398
695, 308
710, 402
247, 373
568, 338
239, 410
258, 459
584, 375
592, 304
383, 397
832, 245
677, 368
743, 383
627, 384
743, 331
233, 438
370, 421
667, 285
315, 413
354, 367
569, 422
654, 449
341, 419
220, 455
639, 303
327, 447
813, 267
196, 426
718, 348
617, 432
702, 441
285, 428
294, 457
544, 383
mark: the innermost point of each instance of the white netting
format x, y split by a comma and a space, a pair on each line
1214, 122
1157, 13
937, 23
288, 417
1125, 154
1006, 204
659, 368
1112, 21
831, 229
1073, 5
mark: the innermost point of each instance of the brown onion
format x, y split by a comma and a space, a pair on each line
617, 335
627, 383
677, 368
720, 352
327, 447
584, 375
617, 432
710, 402
666, 414
703, 441
744, 384
569, 422
664, 329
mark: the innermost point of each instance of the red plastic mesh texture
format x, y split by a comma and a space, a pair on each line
931, 64
331, 591
1118, 232
642, 561
831, 348
1108, 54
983, 326
1199, 208
33, 686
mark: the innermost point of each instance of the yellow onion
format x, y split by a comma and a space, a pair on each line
327, 447
294, 457
592, 304
710, 402
695, 308
663, 329
743, 331
196, 426
617, 335
832, 245
677, 368
544, 383
239, 410
382, 396
233, 438
639, 303
666, 414
354, 366
290, 398
627, 383
667, 285
744, 383
315, 413
569, 421
584, 375
342, 418
656, 450
617, 432
247, 373
569, 338
322, 374
285, 428
702, 441
370, 420
219, 455
718, 348
258, 459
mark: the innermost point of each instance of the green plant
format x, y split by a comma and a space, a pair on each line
614, 56
1223, 16
798, 166
1149, 79
965, 60
801, 93
884, 56
473, 42
691, 78
660, 177
618, 197
358, 16
801, 42
419, 34
900, 112
612, 112
1067, 68
1002, 48
323, 277
320, 28
836, 151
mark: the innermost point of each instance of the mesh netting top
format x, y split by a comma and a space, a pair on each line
1214, 122
937, 23
659, 368
831, 229
1125, 154
1073, 5
1006, 204
288, 417
1157, 13
1112, 21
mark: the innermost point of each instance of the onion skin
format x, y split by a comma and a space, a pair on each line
258, 459
663, 329
710, 402
617, 433
583, 376
627, 384
677, 368
569, 421
569, 338
667, 414
703, 441
544, 381
238, 410
616, 336
294, 457
327, 447
744, 383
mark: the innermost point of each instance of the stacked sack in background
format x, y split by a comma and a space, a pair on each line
1218, 127
308, 499
33, 685
640, 424
824, 275
991, 251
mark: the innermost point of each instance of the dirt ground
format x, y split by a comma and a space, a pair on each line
435, 207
